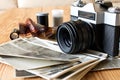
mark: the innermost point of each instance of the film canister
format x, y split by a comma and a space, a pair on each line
42, 18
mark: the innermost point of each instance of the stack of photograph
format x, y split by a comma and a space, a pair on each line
38, 57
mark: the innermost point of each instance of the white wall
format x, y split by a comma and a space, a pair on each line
38, 3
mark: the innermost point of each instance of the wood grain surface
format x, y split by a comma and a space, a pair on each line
10, 19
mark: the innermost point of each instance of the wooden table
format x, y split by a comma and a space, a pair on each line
10, 19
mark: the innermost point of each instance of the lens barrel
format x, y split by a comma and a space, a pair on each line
75, 36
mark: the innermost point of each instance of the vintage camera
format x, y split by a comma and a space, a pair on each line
92, 26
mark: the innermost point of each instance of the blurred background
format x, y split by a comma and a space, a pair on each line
9, 4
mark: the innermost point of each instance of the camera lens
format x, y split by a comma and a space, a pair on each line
75, 36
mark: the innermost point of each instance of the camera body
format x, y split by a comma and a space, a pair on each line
92, 26
105, 24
